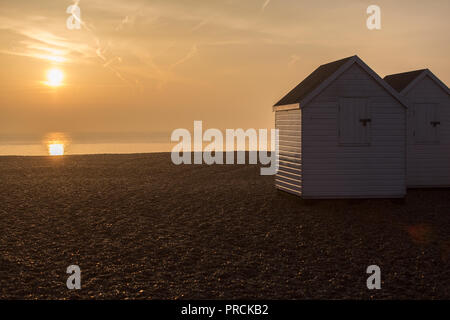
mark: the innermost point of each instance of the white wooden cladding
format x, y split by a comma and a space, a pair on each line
289, 175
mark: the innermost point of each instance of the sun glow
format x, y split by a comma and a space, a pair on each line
55, 77
56, 149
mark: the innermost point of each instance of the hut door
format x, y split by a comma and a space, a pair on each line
427, 123
354, 121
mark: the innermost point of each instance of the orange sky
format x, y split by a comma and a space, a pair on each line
139, 69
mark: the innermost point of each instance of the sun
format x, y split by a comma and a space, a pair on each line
55, 77
56, 149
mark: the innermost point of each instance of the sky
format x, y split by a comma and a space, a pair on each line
136, 70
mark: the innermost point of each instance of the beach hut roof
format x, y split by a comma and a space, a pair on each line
403, 82
313, 84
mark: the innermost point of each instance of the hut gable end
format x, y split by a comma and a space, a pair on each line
428, 127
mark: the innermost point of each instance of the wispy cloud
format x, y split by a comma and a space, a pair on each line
294, 59
265, 4
108, 42
35, 42
126, 21
200, 24
192, 52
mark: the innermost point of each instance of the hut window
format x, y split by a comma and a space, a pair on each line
426, 123
354, 121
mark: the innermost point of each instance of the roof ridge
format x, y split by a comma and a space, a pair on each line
394, 74
343, 59
313, 80
400, 81
323, 75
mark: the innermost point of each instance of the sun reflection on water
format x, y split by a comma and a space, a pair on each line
56, 149
56, 143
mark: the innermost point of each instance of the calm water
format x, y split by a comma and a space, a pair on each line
42, 149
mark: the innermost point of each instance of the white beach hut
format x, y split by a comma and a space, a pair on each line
428, 133
342, 134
